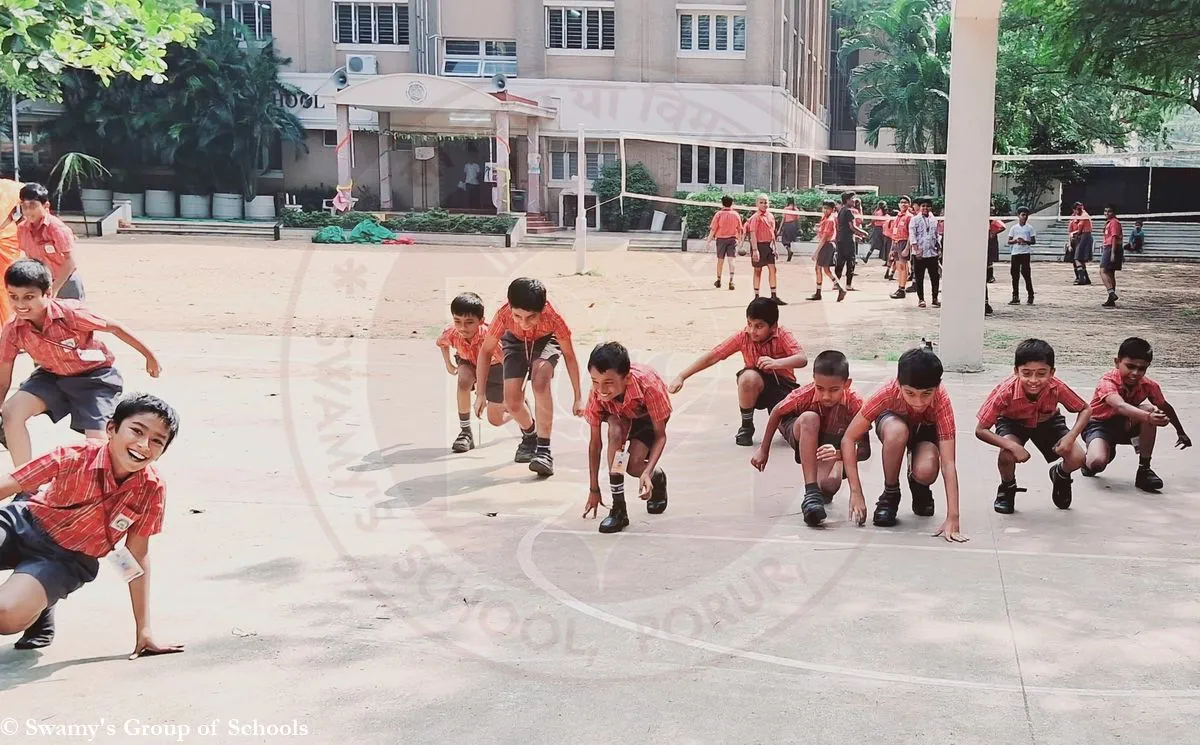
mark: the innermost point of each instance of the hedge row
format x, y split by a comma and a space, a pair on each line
431, 221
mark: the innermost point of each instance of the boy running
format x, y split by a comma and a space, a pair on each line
633, 400
760, 231
532, 336
879, 233
911, 413
1021, 240
1112, 254
770, 354
825, 258
848, 230
789, 229
726, 229
465, 336
1025, 407
1127, 409
46, 238
812, 420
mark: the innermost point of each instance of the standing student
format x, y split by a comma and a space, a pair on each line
464, 336
770, 355
46, 238
1079, 235
995, 228
726, 229
789, 229
533, 336
10, 249
900, 248
824, 259
878, 239
923, 244
760, 230
847, 232
1137, 238
1112, 254
1021, 239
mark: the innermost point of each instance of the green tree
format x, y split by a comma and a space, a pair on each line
40, 39
608, 186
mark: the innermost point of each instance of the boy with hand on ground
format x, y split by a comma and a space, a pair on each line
770, 354
1025, 407
826, 250
46, 238
911, 413
633, 400
465, 336
812, 420
74, 372
726, 229
99, 492
760, 231
532, 335
1127, 409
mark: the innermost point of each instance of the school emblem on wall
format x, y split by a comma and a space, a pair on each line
416, 92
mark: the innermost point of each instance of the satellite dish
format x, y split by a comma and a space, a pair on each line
499, 81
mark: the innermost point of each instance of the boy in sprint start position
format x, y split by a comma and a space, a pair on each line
465, 336
771, 356
632, 399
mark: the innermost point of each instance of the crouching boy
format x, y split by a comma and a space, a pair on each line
465, 336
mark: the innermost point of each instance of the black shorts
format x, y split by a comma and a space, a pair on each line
519, 354
640, 429
1084, 248
922, 433
825, 438
90, 398
26, 548
726, 248
788, 232
775, 389
766, 255
1045, 436
494, 393
1111, 259
825, 255
1116, 430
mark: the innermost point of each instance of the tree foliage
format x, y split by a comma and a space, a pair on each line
608, 186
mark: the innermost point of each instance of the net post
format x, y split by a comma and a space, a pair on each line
624, 166
580, 211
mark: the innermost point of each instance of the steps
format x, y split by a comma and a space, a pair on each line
662, 241
225, 228
1165, 241
536, 224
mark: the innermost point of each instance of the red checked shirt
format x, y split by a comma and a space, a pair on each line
727, 223
827, 229
66, 344
889, 397
1008, 400
1112, 383
900, 227
834, 419
761, 225
645, 395
49, 241
549, 322
1113, 233
83, 500
467, 349
778, 345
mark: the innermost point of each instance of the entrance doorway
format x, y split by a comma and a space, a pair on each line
461, 167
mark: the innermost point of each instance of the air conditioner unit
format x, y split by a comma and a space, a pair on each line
362, 64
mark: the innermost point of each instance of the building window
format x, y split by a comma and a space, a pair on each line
712, 33
330, 138
370, 23
591, 29
703, 165
474, 58
255, 15
564, 158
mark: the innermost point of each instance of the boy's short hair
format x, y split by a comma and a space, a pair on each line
906, 198
1138, 221
1077, 205
528, 294
880, 204
1022, 210
34, 192
1111, 206
28, 273
610, 355
467, 304
1033, 350
726, 201
144, 403
829, 203
919, 368
832, 363
763, 309
1135, 348
847, 196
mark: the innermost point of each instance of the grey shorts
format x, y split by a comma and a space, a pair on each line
1045, 436
26, 549
766, 256
72, 289
1116, 430
89, 398
1084, 248
775, 389
916, 435
899, 249
1110, 259
495, 382
726, 248
519, 354
826, 255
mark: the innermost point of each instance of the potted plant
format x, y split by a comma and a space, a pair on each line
72, 171
124, 190
261, 207
195, 202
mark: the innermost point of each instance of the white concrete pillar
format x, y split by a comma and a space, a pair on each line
968, 181
503, 197
385, 160
343, 146
533, 196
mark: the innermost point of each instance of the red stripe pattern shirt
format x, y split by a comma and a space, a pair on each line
645, 396
778, 345
1113, 233
83, 500
1008, 400
65, 345
826, 229
761, 225
834, 419
1132, 395
900, 227
727, 223
467, 349
889, 397
49, 241
548, 322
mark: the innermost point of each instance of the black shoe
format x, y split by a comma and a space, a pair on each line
1029, 300
987, 309
1006, 499
717, 284
1089, 473
813, 508
1062, 488
464, 442
542, 463
526, 448
841, 294
1147, 480
886, 509
40, 633
1110, 303
657, 503
777, 300
899, 294
815, 296
745, 436
922, 498
912, 287
1015, 300
731, 284
789, 258
617, 520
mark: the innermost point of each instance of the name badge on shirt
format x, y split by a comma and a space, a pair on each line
91, 355
123, 562
48, 248
121, 523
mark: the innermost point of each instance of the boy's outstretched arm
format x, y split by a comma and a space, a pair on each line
485, 358
763, 452
950, 529
118, 330
705, 361
450, 366
139, 596
595, 498
572, 362
858, 503
1184, 441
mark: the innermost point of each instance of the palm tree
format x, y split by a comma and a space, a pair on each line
902, 80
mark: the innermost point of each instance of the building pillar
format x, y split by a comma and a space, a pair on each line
344, 178
502, 196
974, 28
533, 196
385, 161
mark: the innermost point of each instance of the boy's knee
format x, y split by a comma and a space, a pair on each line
12, 621
894, 431
925, 472
809, 422
465, 382
495, 418
750, 381
830, 486
543, 373
1095, 463
12, 413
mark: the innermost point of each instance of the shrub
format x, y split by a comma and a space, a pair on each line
433, 221
636, 213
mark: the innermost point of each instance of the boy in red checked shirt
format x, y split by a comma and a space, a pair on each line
770, 354
74, 372
45, 238
912, 413
900, 250
1025, 407
96, 494
760, 231
1127, 409
465, 336
632, 399
812, 420
826, 250
1112, 254
532, 336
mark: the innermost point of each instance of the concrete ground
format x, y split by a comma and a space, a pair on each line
339, 576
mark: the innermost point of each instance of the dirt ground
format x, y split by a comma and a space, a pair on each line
653, 301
